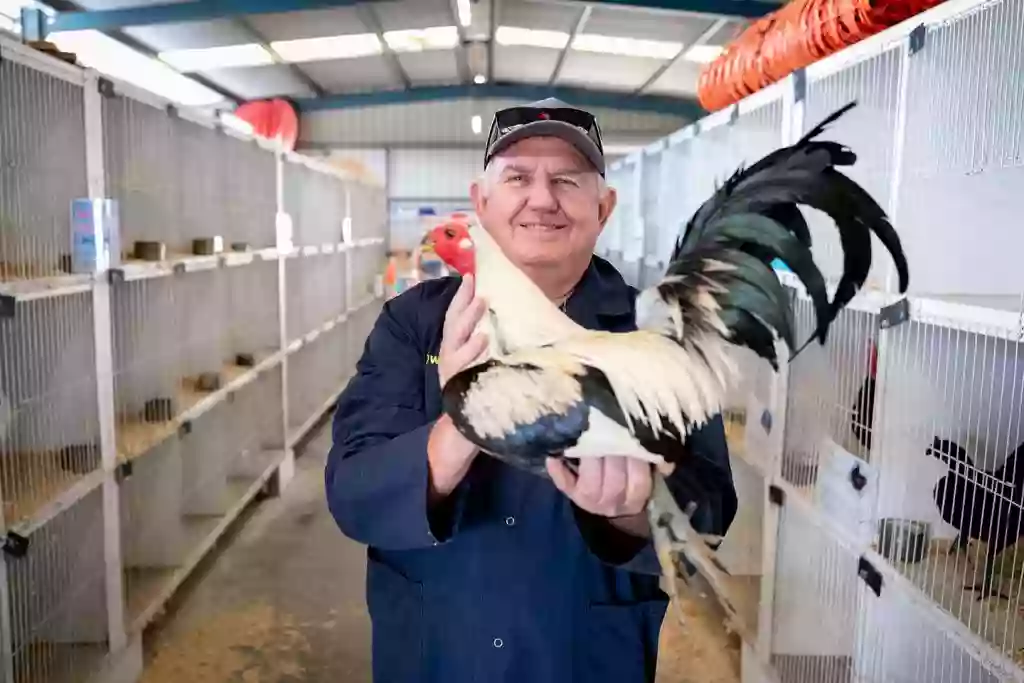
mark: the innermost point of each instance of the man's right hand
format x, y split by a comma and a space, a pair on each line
450, 454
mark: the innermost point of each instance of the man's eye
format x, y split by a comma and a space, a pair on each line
567, 181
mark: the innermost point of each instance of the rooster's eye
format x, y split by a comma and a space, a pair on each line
449, 233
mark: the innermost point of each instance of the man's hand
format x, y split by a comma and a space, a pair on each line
615, 487
449, 454
458, 348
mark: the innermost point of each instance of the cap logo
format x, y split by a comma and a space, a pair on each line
544, 115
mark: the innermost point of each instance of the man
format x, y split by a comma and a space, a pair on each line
477, 571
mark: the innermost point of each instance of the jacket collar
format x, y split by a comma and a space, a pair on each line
600, 294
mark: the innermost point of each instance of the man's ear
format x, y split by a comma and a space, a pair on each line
607, 205
476, 194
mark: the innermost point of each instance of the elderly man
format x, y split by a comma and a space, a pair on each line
477, 571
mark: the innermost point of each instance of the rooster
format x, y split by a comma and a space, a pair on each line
547, 387
452, 243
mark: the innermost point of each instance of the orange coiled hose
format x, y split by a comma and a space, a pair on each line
792, 37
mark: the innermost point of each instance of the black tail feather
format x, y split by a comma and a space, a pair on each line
730, 243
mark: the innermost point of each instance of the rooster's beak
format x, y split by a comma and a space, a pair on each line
427, 247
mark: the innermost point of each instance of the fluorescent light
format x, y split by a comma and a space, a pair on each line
703, 54
477, 124
419, 39
479, 79
465, 14
627, 47
328, 47
223, 57
106, 55
229, 120
513, 35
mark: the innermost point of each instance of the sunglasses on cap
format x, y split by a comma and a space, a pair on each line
507, 121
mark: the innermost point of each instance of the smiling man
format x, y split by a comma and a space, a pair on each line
477, 571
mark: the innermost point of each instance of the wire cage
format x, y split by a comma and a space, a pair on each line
44, 167
143, 403
877, 473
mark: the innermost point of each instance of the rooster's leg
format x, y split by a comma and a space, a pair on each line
988, 588
959, 544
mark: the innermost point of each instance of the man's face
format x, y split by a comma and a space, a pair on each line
544, 205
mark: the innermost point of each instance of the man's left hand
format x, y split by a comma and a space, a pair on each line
613, 486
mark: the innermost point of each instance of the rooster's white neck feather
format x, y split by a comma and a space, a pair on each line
526, 316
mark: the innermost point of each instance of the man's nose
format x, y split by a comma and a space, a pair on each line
541, 196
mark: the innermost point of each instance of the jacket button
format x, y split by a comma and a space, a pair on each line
498, 642
510, 521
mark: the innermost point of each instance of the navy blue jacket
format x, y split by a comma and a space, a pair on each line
508, 581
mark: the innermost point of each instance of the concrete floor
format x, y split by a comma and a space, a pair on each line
283, 602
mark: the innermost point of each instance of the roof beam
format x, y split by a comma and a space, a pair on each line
369, 17
576, 30
746, 9
69, 6
657, 104
306, 79
701, 40
460, 52
177, 12
492, 29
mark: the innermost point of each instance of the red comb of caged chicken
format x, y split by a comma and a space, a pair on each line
452, 243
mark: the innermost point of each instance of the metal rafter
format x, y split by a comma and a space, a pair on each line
460, 52
64, 6
368, 16
659, 104
294, 68
702, 39
576, 30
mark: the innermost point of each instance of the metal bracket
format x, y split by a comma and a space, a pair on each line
123, 471
115, 276
178, 268
14, 544
105, 86
7, 305
734, 114
799, 85
766, 420
894, 314
917, 38
776, 495
172, 111
185, 429
696, 128
871, 576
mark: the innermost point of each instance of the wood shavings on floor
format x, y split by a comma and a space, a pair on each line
255, 644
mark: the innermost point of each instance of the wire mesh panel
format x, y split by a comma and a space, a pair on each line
816, 606
367, 264
143, 162
58, 598
201, 306
203, 173
869, 129
620, 177
962, 157
368, 210
49, 429
316, 202
901, 640
829, 415
630, 223
147, 379
250, 194
314, 378
950, 503
254, 434
253, 312
42, 168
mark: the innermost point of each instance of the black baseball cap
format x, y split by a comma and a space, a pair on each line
547, 117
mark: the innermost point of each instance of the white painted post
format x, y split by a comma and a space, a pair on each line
102, 329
